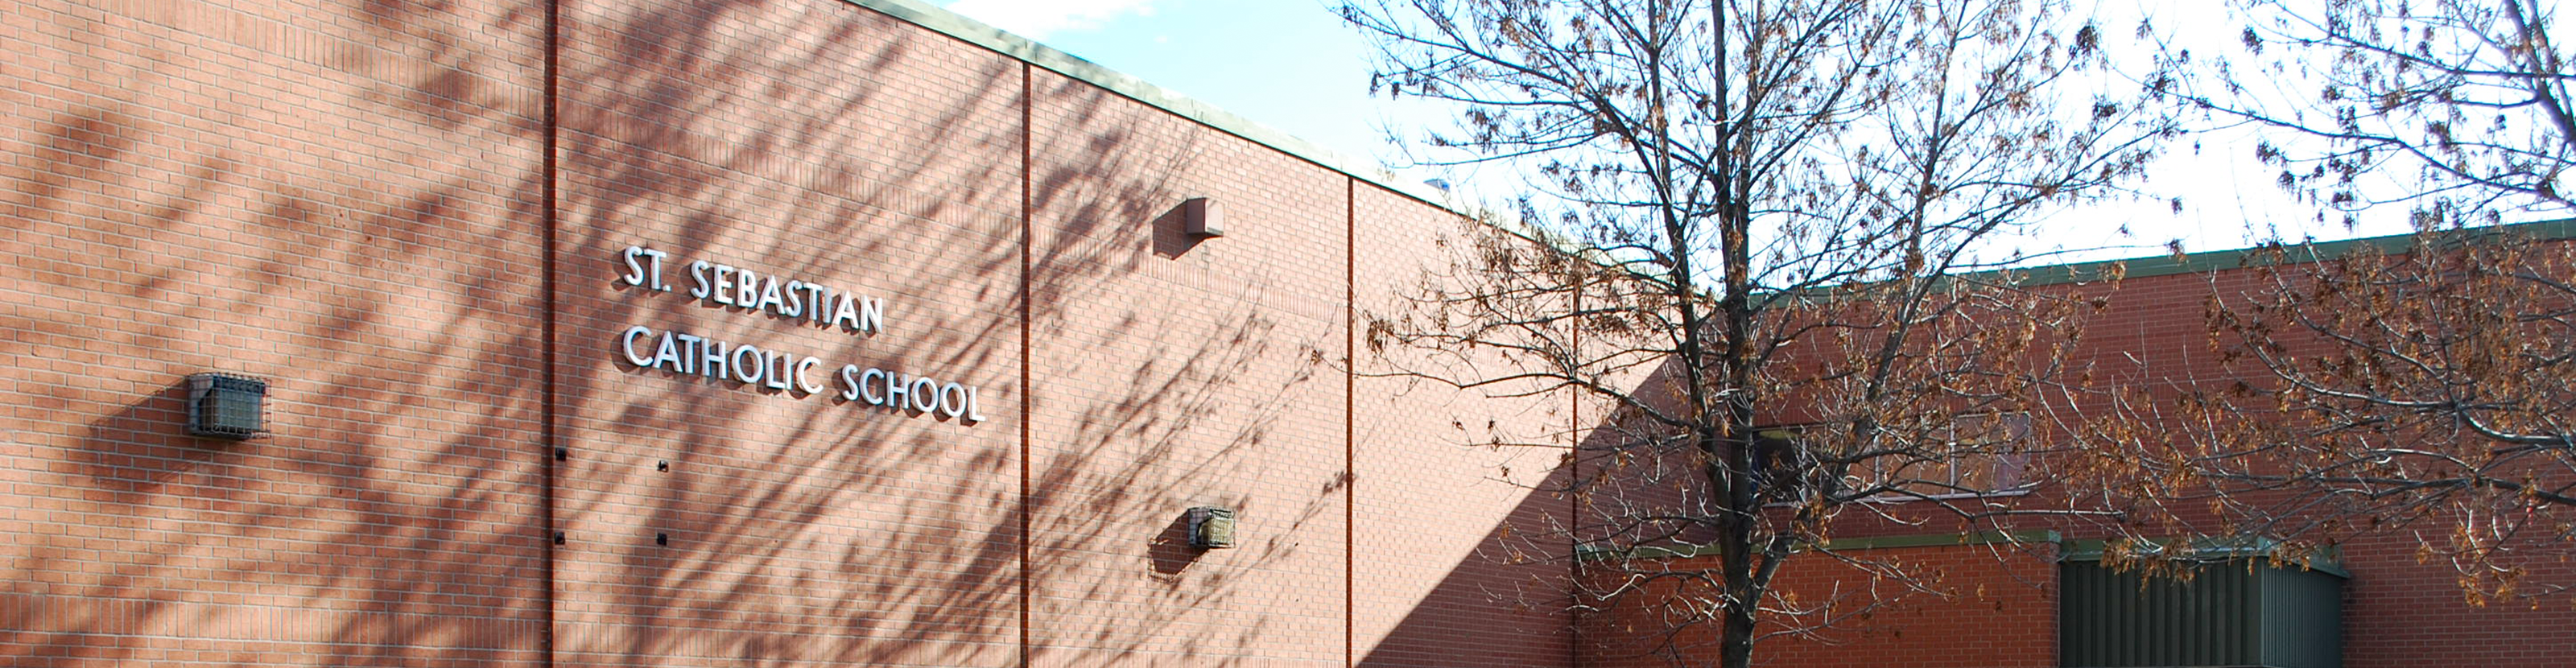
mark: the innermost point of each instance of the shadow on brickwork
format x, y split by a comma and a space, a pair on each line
800, 531
1212, 397
1504, 603
167, 229
832, 539
379, 259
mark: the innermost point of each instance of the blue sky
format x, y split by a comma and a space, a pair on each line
1287, 64
1292, 65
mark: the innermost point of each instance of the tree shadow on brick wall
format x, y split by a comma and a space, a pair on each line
1173, 377
802, 530
355, 229
1502, 603
358, 532
380, 258
387, 520
805, 530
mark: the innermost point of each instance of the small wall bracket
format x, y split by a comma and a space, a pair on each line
1201, 219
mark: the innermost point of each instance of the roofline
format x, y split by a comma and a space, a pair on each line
975, 32
1971, 538
2208, 261
2325, 559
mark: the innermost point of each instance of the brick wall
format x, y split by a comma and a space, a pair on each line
713, 522
1170, 374
1951, 606
1460, 548
351, 199
354, 200
337, 197
2397, 610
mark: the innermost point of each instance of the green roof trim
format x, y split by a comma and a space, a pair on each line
975, 32
2024, 537
2207, 261
2204, 549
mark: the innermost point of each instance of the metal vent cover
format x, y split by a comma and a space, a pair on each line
226, 406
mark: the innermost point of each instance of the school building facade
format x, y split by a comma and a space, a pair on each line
776, 333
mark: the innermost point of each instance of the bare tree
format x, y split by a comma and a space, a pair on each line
2456, 108
1763, 225
2427, 387
2414, 386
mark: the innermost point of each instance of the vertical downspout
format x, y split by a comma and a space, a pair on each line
1350, 440
547, 430
1027, 103
1574, 497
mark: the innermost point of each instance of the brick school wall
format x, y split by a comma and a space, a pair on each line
561, 308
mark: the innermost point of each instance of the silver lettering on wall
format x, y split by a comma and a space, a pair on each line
745, 289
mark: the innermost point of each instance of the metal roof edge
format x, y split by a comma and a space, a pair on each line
1971, 538
2207, 261
2326, 559
975, 32
978, 33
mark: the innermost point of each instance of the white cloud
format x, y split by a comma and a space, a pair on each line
1038, 19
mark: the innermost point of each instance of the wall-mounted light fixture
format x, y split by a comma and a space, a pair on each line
1211, 528
1201, 219
226, 406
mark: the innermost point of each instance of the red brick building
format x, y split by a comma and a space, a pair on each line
580, 320
2039, 596
412, 220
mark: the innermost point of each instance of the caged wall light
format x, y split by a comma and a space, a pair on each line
226, 406
1211, 528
